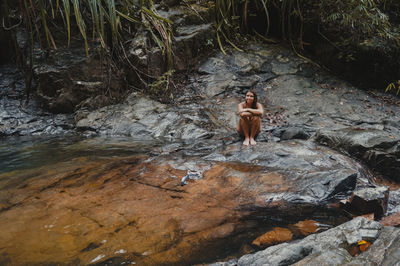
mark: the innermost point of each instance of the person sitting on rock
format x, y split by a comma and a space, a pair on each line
250, 113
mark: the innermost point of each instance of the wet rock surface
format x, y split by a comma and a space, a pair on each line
378, 148
19, 120
134, 208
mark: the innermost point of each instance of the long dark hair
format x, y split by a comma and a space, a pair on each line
254, 105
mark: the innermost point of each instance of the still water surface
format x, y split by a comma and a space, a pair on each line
79, 200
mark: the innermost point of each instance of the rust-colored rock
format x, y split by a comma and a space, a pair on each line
134, 209
304, 228
275, 236
391, 220
370, 216
84, 212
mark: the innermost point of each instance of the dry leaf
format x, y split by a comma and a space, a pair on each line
363, 247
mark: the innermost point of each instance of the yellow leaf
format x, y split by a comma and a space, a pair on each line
362, 242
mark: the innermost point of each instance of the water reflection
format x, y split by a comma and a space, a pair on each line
17, 153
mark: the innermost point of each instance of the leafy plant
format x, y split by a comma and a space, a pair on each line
107, 22
393, 86
343, 23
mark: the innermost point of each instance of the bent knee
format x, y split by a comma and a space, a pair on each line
257, 118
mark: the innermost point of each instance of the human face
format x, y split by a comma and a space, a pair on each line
249, 98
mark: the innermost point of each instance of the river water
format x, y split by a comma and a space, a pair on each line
80, 200
17, 153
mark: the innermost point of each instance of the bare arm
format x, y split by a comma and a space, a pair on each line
250, 111
243, 111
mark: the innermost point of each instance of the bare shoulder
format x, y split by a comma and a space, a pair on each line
259, 106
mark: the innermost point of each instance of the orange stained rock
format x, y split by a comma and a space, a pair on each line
370, 216
391, 220
304, 228
275, 236
81, 211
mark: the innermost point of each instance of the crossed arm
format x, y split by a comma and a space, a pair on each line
249, 112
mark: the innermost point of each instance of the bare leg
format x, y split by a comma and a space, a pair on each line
255, 128
244, 128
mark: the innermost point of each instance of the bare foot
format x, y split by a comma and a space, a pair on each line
246, 142
253, 142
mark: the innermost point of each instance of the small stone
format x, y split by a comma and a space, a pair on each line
276, 236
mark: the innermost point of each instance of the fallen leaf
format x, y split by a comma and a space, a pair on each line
364, 247
362, 242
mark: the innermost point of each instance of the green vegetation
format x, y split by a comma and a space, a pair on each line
345, 25
106, 21
110, 23
348, 31
393, 86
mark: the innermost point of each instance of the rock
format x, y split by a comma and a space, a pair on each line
213, 65
384, 250
192, 36
394, 202
331, 246
143, 56
304, 228
377, 148
217, 84
369, 200
66, 78
191, 42
144, 118
232, 262
276, 236
391, 220
18, 120
333, 183
294, 133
